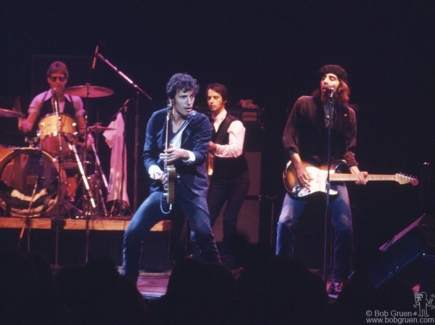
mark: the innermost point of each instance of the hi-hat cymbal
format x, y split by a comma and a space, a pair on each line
98, 128
9, 113
89, 91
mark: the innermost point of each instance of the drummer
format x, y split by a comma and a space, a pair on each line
43, 104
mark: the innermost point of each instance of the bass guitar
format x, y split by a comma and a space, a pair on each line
319, 175
169, 170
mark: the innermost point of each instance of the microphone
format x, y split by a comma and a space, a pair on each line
95, 56
330, 91
54, 95
54, 101
126, 102
122, 108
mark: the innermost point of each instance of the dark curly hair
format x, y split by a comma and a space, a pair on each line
181, 81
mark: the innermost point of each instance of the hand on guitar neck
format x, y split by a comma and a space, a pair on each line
362, 177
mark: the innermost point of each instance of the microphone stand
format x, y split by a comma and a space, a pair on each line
136, 136
59, 182
329, 111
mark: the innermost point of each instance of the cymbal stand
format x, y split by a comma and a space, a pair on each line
26, 223
99, 173
84, 178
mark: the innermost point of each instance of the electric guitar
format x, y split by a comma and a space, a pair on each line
169, 170
210, 163
319, 176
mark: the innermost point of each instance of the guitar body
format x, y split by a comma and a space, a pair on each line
318, 174
210, 164
169, 189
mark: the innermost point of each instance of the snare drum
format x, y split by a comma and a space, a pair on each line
20, 170
48, 133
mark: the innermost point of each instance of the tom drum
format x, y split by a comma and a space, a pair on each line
50, 129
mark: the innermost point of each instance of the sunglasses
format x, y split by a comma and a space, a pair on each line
61, 79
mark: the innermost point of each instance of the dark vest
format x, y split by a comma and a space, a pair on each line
47, 108
227, 168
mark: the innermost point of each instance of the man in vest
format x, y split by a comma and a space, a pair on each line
229, 175
44, 103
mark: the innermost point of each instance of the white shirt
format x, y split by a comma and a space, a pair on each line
176, 142
236, 132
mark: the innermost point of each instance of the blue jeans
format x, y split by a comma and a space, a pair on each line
149, 213
233, 192
341, 220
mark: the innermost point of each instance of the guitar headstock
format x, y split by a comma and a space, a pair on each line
405, 179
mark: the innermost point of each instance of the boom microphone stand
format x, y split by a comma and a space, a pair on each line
136, 135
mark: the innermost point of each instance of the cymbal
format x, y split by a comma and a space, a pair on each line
9, 113
97, 128
89, 91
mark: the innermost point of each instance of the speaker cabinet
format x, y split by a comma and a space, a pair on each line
254, 164
402, 249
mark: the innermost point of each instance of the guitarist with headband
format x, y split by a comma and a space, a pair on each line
177, 137
305, 138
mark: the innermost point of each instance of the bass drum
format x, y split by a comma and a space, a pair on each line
21, 169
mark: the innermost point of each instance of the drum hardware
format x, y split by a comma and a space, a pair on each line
82, 172
136, 129
31, 141
99, 174
97, 128
96, 181
26, 223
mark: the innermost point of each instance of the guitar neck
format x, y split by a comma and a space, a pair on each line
354, 177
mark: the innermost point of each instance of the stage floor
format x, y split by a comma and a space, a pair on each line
93, 223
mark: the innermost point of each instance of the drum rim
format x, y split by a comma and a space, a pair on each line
62, 175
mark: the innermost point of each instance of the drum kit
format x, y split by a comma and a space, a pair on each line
41, 180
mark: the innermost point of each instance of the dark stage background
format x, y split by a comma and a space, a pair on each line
267, 51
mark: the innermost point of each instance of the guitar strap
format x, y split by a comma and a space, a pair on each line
176, 138
223, 128
346, 121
